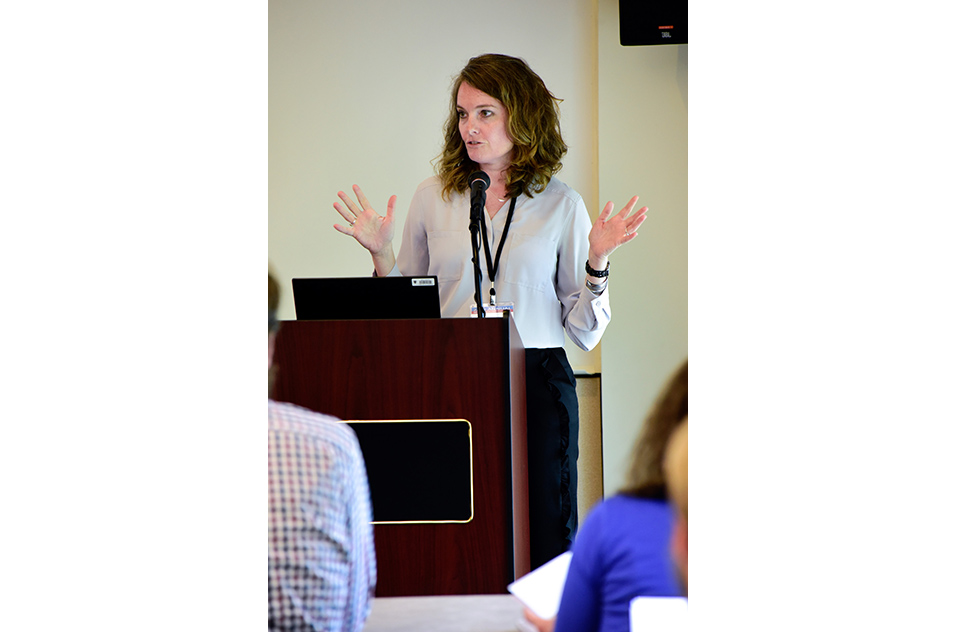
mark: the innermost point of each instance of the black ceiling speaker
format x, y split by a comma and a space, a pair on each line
650, 22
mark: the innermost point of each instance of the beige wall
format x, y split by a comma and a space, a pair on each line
642, 138
358, 93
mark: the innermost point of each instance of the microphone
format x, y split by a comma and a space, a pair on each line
478, 182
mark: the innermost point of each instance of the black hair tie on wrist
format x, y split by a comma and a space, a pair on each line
603, 273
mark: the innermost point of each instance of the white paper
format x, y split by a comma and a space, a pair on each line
659, 614
540, 590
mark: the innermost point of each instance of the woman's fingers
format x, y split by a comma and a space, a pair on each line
346, 215
627, 207
634, 222
349, 203
365, 225
611, 232
631, 222
606, 212
366, 205
362, 206
345, 230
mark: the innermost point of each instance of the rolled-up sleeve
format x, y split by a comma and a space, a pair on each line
584, 315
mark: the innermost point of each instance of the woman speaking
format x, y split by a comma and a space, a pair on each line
541, 259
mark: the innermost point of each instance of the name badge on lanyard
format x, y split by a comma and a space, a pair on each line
494, 310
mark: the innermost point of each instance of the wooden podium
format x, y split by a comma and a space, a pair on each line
450, 368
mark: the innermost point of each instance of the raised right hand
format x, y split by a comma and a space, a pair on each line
370, 229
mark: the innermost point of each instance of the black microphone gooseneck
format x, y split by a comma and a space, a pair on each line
478, 182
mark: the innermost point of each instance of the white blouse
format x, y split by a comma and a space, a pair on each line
541, 269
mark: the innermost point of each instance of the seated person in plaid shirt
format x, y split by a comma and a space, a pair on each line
321, 555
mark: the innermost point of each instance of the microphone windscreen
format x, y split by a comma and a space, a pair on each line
477, 176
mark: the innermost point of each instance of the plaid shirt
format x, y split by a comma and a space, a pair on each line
322, 569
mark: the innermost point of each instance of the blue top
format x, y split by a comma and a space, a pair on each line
621, 552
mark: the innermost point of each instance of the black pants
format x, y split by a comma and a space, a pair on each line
552, 453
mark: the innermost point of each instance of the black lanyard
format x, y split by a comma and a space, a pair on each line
493, 269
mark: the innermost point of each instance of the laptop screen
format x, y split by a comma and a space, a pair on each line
366, 298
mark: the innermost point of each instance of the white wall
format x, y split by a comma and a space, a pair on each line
358, 94
357, 100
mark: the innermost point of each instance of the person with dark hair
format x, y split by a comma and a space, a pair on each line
542, 259
675, 472
322, 569
622, 551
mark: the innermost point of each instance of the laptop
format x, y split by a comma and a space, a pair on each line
366, 298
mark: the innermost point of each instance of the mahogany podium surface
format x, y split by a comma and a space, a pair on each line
429, 369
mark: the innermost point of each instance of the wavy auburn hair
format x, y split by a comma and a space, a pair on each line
646, 477
533, 126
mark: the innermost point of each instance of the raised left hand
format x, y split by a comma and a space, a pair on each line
610, 233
